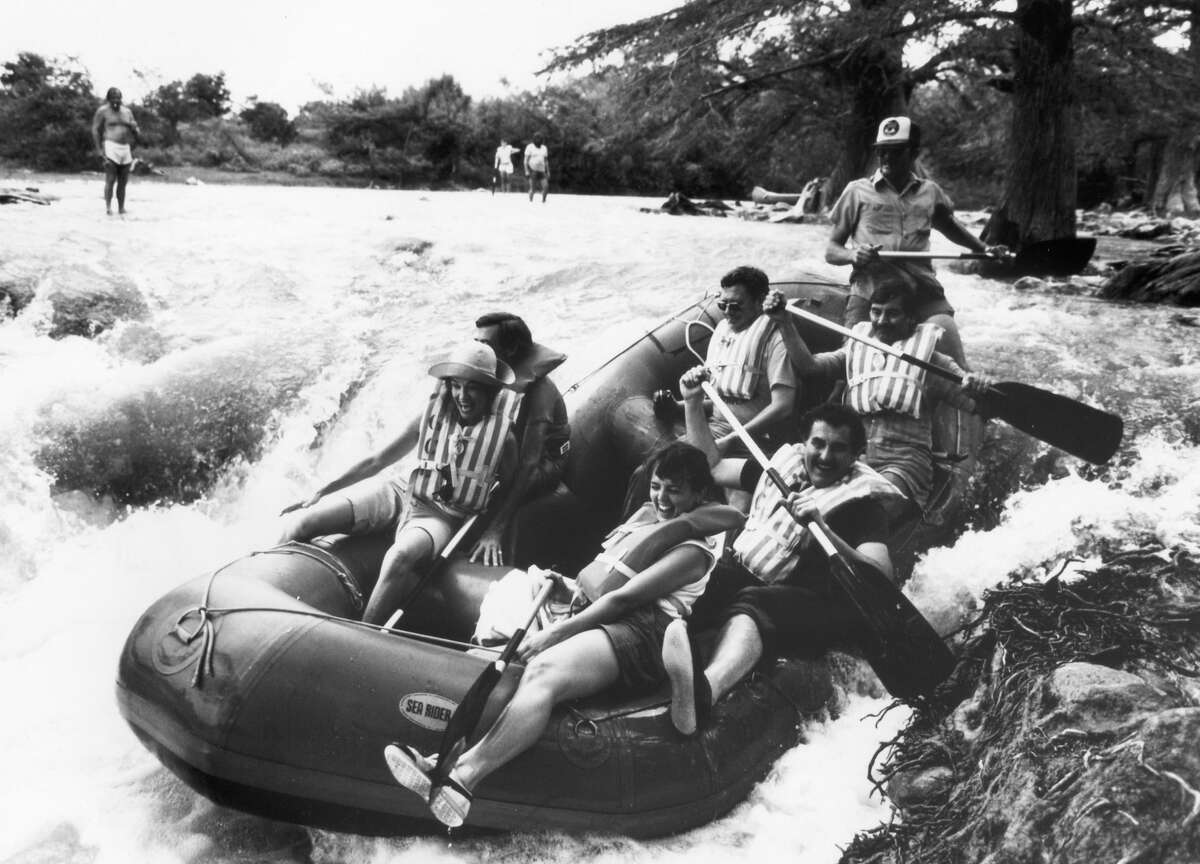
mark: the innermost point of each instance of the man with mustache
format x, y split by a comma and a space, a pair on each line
775, 594
892, 396
894, 210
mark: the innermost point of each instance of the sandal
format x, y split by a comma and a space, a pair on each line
410, 768
451, 802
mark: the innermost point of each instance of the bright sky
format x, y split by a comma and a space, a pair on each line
280, 50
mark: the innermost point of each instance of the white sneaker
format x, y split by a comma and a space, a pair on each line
410, 768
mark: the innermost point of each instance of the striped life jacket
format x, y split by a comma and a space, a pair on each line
738, 361
457, 464
876, 381
642, 539
769, 547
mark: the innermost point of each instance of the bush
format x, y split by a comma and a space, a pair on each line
46, 114
268, 121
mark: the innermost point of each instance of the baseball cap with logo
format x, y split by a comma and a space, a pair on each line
894, 131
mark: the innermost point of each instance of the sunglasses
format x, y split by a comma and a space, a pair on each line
729, 306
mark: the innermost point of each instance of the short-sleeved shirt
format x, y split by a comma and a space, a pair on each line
871, 213
504, 157
535, 157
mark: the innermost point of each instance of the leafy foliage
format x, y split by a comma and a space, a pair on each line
46, 113
175, 102
268, 121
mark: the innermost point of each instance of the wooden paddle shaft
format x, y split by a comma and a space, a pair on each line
761, 458
519, 636
875, 343
925, 256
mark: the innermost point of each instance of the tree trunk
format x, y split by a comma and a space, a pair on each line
875, 79
1175, 191
1040, 189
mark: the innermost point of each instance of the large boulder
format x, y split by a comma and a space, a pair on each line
1096, 699
87, 301
166, 430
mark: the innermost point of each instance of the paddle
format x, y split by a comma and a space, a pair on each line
470, 708
906, 653
1062, 257
1069, 425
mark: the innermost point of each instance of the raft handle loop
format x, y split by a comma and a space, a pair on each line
687, 335
208, 616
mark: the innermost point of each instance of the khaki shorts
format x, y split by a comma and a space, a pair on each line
381, 504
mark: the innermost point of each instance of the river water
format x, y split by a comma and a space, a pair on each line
304, 318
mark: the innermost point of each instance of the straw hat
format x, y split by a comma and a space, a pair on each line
477, 362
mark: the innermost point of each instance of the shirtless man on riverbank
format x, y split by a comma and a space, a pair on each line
114, 130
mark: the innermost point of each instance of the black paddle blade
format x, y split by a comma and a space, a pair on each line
904, 650
464, 720
1065, 256
1079, 429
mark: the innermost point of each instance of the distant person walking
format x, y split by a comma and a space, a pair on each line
503, 165
114, 130
537, 166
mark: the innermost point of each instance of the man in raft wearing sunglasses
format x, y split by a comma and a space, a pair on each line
465, 445
747, 362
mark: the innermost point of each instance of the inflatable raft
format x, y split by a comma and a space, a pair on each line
258, 686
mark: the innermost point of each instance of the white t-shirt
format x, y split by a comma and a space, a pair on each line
535, 157
504, 158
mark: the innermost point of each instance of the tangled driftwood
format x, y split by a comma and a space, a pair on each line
1068, 732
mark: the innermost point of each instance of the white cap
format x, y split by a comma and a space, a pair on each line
894, 130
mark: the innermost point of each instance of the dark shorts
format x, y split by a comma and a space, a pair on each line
637, 640
798, 622
537, 176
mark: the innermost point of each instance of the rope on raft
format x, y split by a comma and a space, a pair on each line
206, 629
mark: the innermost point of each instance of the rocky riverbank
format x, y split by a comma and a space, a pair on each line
1068, 732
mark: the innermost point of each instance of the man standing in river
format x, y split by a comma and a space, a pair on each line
537, 166
114, 129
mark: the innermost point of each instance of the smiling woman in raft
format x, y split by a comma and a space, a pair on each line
650, 572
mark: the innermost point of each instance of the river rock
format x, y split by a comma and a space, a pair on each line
1139, 801
1096, 699
924, 787
15, 295
87, 301
1174, 280
165, 431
